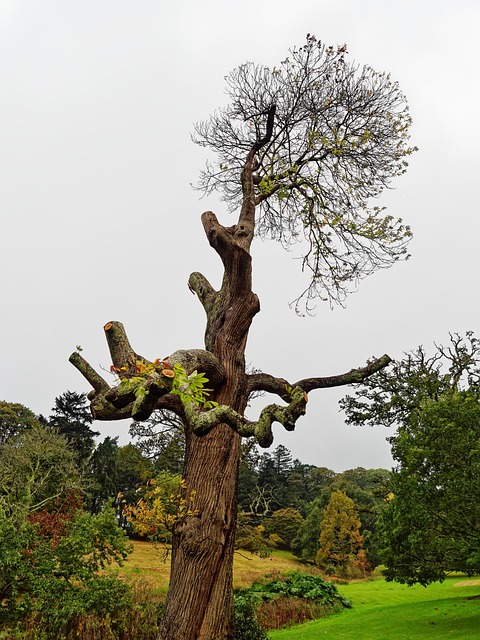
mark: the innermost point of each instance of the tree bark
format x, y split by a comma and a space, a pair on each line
200, 597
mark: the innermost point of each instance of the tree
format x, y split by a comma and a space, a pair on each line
431, 525
14, 418
161, 439
305, 482
305, 545
300, 149
247, 475
340, 539
102, 474
285, 523
273, 472
72, 418
37, 467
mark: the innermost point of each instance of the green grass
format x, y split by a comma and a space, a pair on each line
381, 610
389, 611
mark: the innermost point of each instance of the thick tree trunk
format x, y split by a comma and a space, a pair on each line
200, 597
199, 603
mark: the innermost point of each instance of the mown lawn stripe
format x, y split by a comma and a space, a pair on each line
388, 611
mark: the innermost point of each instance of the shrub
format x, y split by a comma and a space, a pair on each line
301, 585
245, 624
293, 598
136, 614
54, 579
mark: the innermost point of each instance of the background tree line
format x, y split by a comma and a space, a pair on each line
282, 501
64, 495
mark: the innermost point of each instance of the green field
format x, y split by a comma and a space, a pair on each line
381, 610
389, 611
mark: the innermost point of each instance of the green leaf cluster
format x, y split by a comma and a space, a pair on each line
191, 387
300, 585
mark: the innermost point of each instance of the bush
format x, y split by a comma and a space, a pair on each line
245, 624
136, 614
55, 579
301, 585
293, 598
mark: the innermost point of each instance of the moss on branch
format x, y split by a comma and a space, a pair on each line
203, 422
140, 392
272, 384
199, 285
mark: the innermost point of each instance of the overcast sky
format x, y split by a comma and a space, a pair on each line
99, 222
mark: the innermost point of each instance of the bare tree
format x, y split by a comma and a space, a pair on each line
300, 151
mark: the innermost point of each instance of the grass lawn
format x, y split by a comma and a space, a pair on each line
389, 611
153, 565
381, 610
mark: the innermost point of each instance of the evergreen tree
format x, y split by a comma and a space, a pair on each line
103, 474
72, 418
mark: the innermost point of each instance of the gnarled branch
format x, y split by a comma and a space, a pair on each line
119, 401
279, 386
203, 422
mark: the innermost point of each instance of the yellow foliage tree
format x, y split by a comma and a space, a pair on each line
340, 544
166, 501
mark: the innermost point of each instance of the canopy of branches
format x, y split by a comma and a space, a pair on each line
339, 134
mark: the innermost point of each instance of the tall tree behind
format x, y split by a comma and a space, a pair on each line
300, 150
72, 418
340, 539
431, 524
103, 474
15, 418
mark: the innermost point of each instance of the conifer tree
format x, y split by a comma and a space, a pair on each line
340, 539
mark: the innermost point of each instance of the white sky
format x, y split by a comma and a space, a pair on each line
99, 223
